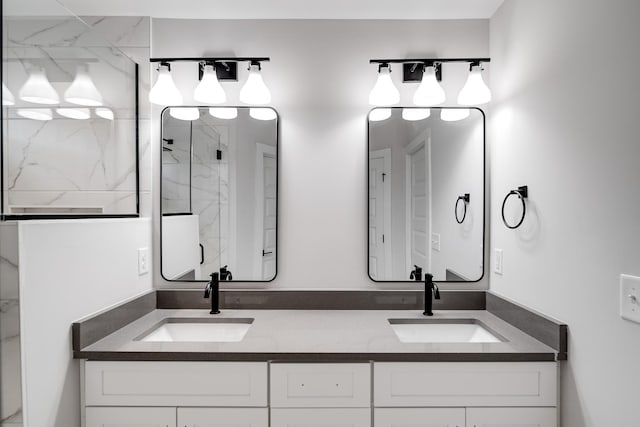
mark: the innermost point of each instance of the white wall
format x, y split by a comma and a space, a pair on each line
320, 78
69, 270
565, 122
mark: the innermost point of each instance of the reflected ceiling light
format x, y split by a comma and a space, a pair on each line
43, 114
74, 113
379, 114
224, 113
429, 92
254, 91
7, 96
475, 90
415, 114
209, 90
105, 113
38, 90
165, 92
384, 93
454, 114
262, 113
83, 91
188, 114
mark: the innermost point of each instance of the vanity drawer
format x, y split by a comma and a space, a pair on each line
176, 384
465, 384
223, 417
319, 385
130, 417
321, 417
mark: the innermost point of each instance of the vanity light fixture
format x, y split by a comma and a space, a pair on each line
165, 92
262, 114
384, 93
379, 114
429, 92
187, 114
83, 91
74, 113
254, 91
7, 97
209, 91
38, 90
415, 114
454, 114
105, 113
223, 113
41, 114
475, 90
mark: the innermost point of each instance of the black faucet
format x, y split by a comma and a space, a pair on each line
225, 274
213, 290
430, 291
416, 274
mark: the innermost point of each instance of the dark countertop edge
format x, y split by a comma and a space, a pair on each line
313, 357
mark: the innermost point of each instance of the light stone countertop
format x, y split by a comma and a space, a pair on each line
318, 335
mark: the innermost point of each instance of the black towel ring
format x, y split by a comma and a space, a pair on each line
465, 200
522, 193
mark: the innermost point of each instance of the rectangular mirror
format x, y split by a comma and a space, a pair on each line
426, 194
219, 193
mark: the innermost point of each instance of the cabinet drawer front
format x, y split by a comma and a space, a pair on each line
223, 417
465, 384
131, 417
512, 417
419, 417
318, 417
176, 384
321, 385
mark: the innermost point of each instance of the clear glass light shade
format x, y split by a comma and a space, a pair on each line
224, 113
38, 90
7, 97
105, 113
209, 90
429, 92
262, 113
83, 91
379, 114
415, 114
165, 92
43, 114
454, 114
475, 90
384, 93
74, 113
188, 114
254, 91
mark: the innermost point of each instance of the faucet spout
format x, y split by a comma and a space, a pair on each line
213, 290
431, 291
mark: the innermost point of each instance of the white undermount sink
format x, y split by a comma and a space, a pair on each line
198, 330
442, 331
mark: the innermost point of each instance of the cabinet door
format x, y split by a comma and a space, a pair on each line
321, 417
223, 417
512, 417
419, 417
130, 417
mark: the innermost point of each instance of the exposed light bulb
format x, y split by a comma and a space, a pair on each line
224, 113
105, 113
188, 114
379, 114
262, 113
254, 91
83, 91
7, 97
165, 92
475, 90
38, 90
74, 113
454, 114
384, 93
415, 114
42, 114
429, 92
209, 90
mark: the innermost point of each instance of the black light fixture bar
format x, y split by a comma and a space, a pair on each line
427, 60
228, 72
211, 59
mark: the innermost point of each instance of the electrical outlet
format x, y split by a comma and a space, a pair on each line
630, 298
143, 261
497, 261
435, 241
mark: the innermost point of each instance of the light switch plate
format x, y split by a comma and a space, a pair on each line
435, 241
497, 261
630, 298
143, 261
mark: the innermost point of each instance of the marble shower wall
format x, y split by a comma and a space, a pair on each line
78, 166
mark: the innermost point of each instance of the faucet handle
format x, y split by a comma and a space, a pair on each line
436, 291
